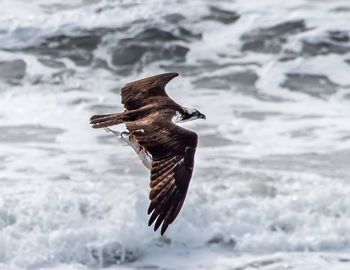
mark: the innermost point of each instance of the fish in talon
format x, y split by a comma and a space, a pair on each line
145, 157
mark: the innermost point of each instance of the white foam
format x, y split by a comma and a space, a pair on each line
275, 188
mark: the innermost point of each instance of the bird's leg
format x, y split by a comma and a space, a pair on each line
138, 132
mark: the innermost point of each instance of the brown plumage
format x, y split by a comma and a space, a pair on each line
148, 117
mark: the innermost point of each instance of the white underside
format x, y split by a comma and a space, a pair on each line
176, 118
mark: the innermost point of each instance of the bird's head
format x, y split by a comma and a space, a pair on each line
191, 114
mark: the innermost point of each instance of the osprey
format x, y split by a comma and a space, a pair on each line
165, 148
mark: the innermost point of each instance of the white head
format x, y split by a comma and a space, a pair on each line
189, 115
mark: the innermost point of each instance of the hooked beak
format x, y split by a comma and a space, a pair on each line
202, 116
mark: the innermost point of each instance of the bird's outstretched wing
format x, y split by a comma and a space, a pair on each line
141, 98
142, 92
172, 149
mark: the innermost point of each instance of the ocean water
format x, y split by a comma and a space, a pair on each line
270, 188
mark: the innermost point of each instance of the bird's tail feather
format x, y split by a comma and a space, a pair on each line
102, 121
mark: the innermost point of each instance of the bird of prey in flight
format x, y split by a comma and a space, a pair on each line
165, 148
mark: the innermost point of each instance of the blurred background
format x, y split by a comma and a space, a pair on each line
270, 188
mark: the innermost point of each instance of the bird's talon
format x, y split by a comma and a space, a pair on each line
124, 133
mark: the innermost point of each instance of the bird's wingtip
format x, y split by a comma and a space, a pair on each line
171, 75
